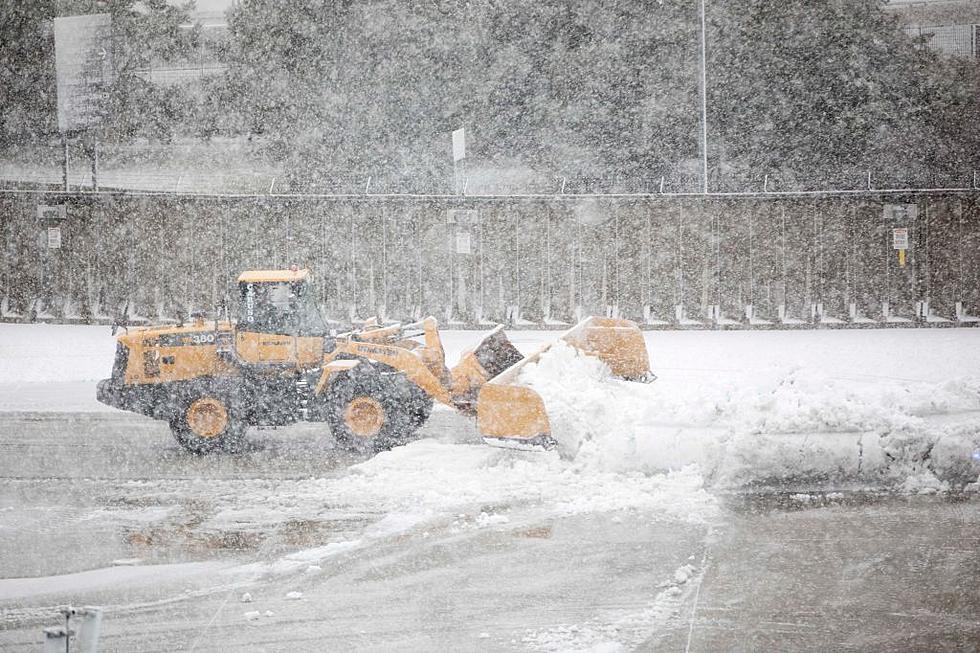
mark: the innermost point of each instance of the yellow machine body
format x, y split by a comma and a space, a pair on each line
176, 353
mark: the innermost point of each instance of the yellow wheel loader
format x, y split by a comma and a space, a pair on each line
374, 387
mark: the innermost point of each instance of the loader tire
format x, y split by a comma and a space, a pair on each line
370, 410
208, 419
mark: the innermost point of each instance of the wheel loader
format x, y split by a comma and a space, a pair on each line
374, 387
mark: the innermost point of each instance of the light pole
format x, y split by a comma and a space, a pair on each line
704, 103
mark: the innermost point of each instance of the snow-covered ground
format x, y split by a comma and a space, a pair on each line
877, 406
802, 411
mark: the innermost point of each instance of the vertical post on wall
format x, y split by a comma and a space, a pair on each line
617, 254
782, 249
887, 290
718, 268
648, 301
573, 298
926, 261
959, 252
679, 304
384, 264
95, 165
64, 161
546, 277
224, 264
353, 267
418, 256
808, 256
133, 281
287, 262
517, 263
914, 241
751, 298
818, 262
5, 282
849, 275
322, 262
450, 308
482, 271
187, 254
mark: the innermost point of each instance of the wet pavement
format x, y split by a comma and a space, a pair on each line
849, 573
779, 570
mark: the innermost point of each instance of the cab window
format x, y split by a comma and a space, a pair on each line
281, 307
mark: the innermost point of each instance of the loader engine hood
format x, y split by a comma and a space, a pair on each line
198, 333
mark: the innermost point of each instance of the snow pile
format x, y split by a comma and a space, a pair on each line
607, 424
444, 477
790, 425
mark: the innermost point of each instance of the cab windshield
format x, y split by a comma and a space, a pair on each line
281, 307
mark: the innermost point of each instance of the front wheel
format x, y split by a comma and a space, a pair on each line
369, 410
207, 420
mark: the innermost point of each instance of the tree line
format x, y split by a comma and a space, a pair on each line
796, 89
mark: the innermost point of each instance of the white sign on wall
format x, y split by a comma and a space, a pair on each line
900, 238
462, 216
900, 212
459, 144
463, 242
54, 237
51, 212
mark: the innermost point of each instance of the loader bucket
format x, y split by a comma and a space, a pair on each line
617, 343
511, 415
493, 355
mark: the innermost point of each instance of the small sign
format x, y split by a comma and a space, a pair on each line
51, 212
900, 238
463, 242
459, 144
462, 216
54, 237
901, 212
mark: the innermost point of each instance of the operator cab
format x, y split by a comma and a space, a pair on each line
279, 321
279, 302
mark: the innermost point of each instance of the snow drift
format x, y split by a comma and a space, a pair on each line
791, 425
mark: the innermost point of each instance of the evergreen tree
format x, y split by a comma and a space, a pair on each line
26, 71
818, 92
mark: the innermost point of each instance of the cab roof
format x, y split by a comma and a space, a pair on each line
270, 276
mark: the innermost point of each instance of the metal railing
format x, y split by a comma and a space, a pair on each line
191, 182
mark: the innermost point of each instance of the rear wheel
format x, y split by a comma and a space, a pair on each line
208, 419
370, 410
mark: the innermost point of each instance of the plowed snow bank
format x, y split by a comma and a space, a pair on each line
792, 424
